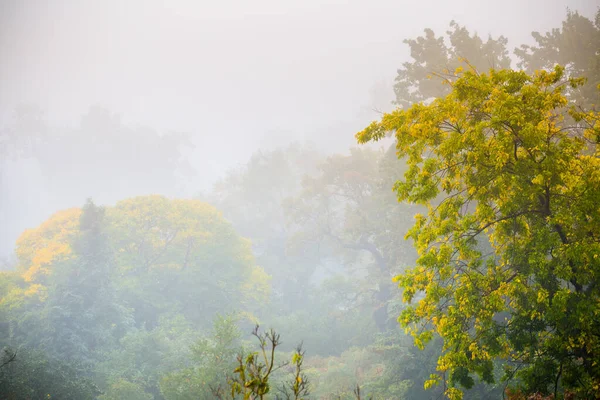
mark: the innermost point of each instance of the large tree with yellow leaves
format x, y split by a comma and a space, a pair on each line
155, 257
510, 246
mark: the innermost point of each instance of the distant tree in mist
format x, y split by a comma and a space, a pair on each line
161, 247
431, 55
100, 157
348, 211
434, 58
102, 152
575, 46
252, 197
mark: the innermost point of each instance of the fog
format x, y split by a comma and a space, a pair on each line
251, 107
237, 76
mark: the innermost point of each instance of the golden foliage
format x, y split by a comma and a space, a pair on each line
47, 244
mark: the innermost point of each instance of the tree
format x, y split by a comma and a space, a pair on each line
170, 256
212, 359
252, 198
182, 256
122, 292
142, 357
142, 160
347, 212
575, 45
114, 160
499, 167
252, 377
82, 313
441, 56
33, 376
50, 243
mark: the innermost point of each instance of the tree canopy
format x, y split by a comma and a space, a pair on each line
575, 46
509, 246
156, 256
440, 55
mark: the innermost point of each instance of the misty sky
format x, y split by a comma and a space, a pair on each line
236, 75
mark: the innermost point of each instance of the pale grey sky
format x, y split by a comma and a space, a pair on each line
231, 72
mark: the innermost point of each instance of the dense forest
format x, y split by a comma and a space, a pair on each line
458, 257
